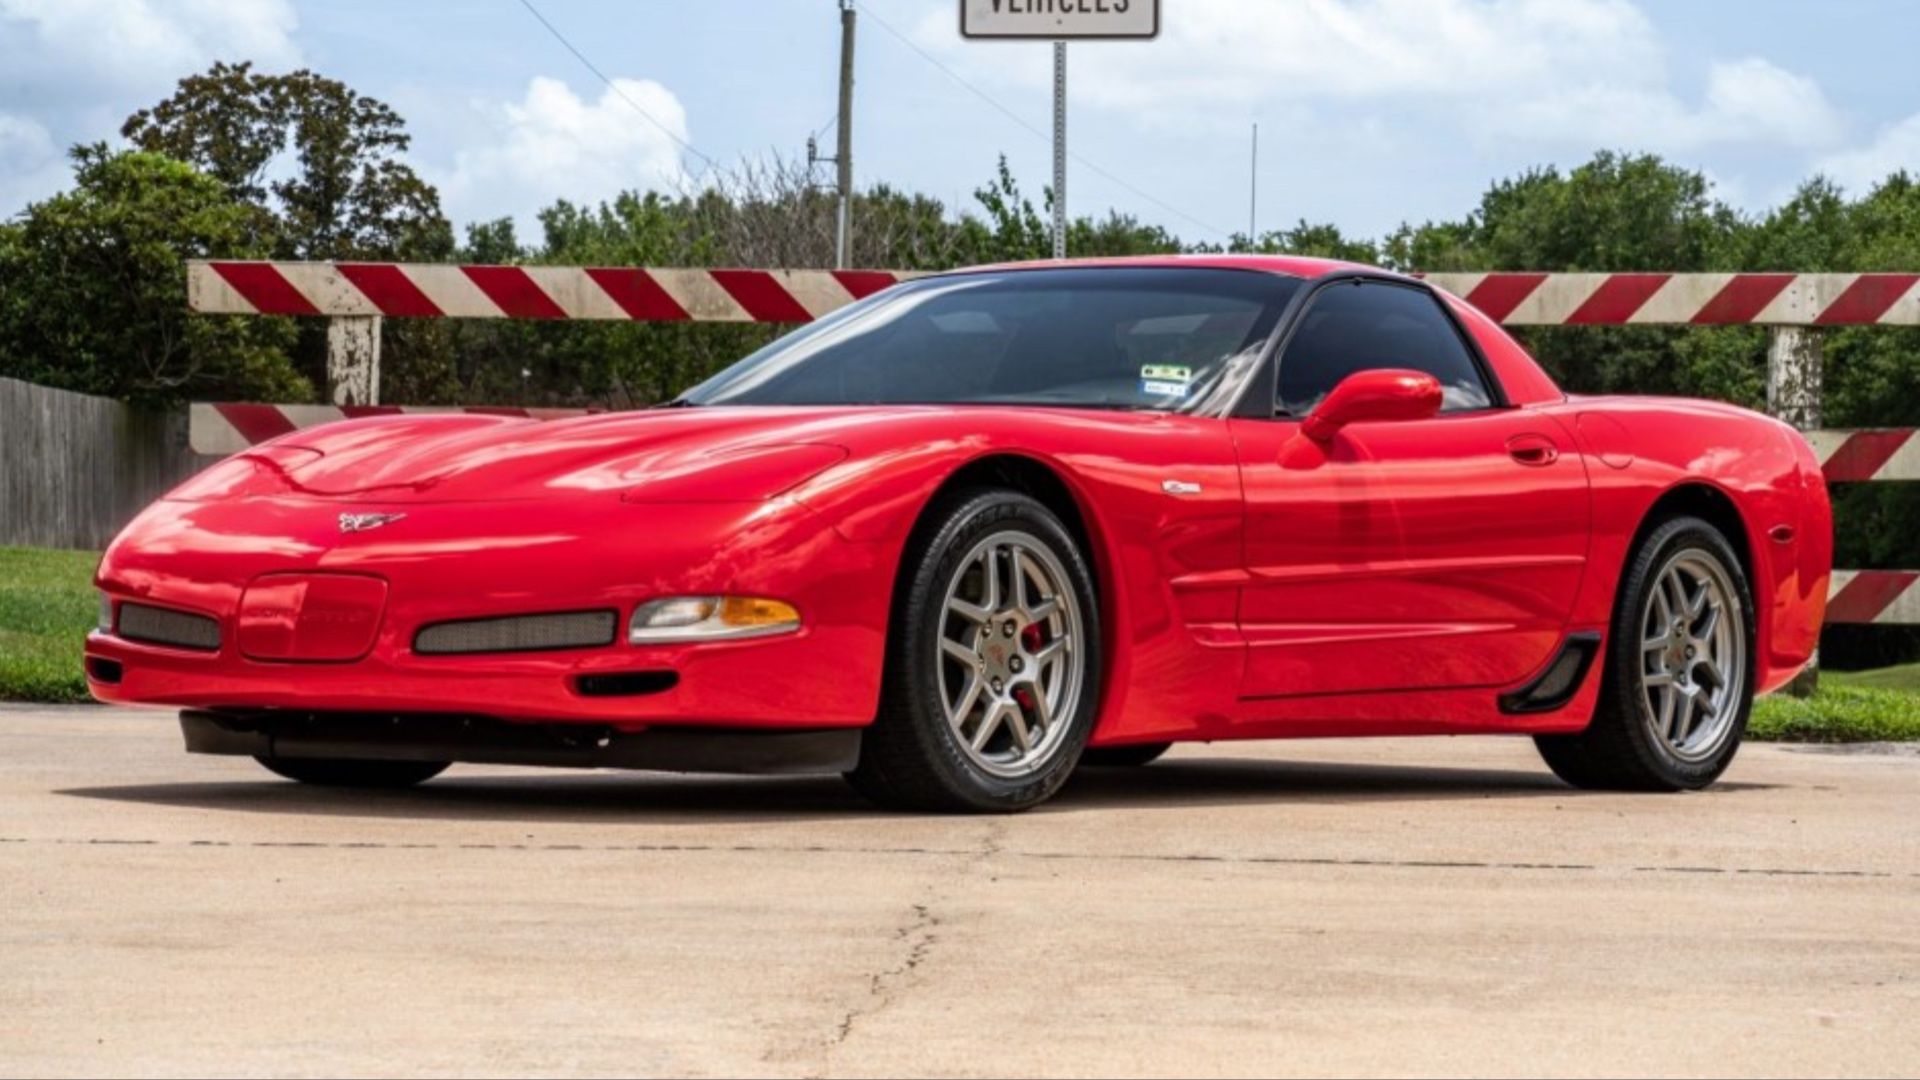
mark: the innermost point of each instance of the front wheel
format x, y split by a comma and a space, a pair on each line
1679, 670
993, 662
351, 773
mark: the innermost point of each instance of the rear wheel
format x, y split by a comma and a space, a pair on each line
1679, 670
1131, 756
350, 773
993, 662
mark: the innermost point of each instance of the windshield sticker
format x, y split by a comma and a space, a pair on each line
1175, 373
1165, 380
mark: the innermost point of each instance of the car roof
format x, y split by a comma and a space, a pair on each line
1300, 266
1522, 378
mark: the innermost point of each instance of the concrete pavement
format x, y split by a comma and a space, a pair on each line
1362, 907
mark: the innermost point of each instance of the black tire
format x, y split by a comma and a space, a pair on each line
911, 757
1620, 750
350, 773
1131, 756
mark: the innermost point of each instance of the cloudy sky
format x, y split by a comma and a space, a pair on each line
1371, 112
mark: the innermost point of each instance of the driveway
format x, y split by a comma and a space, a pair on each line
1352, 907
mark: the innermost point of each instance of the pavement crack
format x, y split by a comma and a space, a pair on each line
917, 937
990, 848
914, 939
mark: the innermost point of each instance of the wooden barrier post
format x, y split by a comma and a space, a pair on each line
353, 359
1794, 359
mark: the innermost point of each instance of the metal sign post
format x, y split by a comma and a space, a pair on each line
1060, 21
1059, 149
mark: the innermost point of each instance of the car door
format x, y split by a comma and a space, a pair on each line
1401, 555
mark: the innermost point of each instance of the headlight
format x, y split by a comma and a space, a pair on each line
105, 622
710, 618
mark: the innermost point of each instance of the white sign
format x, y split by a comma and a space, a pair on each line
1060, 20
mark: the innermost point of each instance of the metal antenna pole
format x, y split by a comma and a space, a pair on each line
1059, 149
843, 152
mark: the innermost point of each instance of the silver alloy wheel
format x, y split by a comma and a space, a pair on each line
1693, 648
1011, 658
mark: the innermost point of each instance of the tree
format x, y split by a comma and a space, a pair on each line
93, 288
1014, 229
321, 168
348, 195
1323, 241
1617, 212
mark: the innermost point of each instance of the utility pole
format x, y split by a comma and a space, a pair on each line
1059, 149
1253, 189
843, 151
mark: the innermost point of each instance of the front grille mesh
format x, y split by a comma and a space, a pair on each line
519, 633
165, 626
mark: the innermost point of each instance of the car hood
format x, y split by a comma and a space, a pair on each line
694, 454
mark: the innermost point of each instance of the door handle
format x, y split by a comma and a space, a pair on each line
1535, 450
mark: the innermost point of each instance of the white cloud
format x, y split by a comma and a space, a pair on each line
1897, 147
30, 164
1747, 101
74, 65
1592, 71
1755, 100
94, 45
553, 144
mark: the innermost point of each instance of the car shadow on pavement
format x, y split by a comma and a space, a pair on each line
1223, 781
552, 796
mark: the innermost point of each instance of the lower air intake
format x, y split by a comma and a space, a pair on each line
165, 626
519, 633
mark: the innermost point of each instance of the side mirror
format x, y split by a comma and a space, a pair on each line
1372, 396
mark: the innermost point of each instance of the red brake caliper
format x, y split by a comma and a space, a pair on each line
1030, 640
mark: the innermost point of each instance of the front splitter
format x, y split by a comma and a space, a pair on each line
487, 741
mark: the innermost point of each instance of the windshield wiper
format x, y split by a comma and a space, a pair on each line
676, 403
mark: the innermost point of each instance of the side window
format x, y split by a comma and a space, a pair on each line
1360, 327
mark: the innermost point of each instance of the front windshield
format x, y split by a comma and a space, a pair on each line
1110, 337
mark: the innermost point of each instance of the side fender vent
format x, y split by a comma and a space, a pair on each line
1555, 686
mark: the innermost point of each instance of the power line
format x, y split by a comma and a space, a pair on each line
615, 87
1018, 119
826, 127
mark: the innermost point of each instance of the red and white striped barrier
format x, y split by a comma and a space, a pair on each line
1690, 299
1848, 457
218, 430
1882, 597
791, 296
366, 291
432, 291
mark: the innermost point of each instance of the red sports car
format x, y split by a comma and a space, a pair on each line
987, 526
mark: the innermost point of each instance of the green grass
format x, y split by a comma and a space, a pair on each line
1853, 707
47, 605
1904, 677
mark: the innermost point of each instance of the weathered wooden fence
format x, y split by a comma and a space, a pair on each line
74, 468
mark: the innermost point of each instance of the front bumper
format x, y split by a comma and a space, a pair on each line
448, 561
